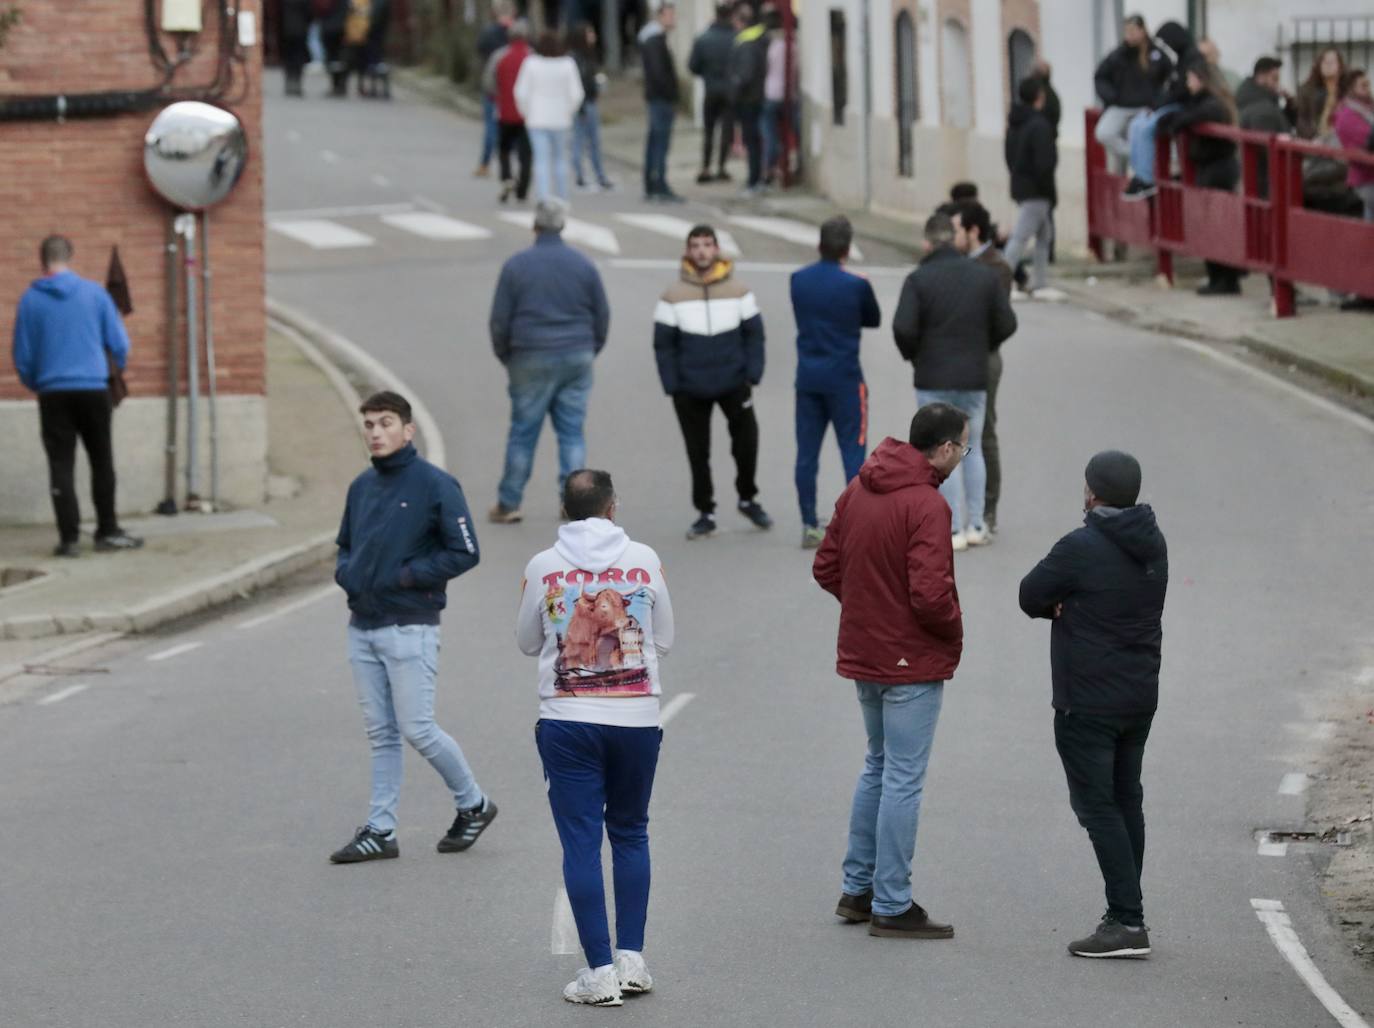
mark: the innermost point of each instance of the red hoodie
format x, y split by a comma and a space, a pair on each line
887, 558
507, 69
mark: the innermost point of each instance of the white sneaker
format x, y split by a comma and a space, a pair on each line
977, 536
1050, 293
959, 541
634, 976
599, 988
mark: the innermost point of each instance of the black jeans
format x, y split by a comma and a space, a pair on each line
717, 111
694, 415
63, 417
514, 137
1102, 757
992, 451
753, 140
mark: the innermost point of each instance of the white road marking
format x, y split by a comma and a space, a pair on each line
426, 204
574, 231
1280, 928
319, 234
744, 267
340, 212
563, 939
435, 226
1271, 849
793, 231
62, 694
290, 608
175, 651
381, 181
1293, 784
677, 228
329, 157
674, 706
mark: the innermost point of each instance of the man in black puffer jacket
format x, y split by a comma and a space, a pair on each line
1032, 156
1103, 586
711, 58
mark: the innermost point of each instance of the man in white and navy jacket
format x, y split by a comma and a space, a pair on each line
708, 340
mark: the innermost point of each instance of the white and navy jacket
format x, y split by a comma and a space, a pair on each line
708, 334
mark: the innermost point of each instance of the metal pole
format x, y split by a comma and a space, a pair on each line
610, 35
169, 498
187, 227
866, 127
210, 358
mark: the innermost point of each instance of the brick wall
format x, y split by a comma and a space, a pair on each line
84, 179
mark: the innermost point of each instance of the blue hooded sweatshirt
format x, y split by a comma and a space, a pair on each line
63, 329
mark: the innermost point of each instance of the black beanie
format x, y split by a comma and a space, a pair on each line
1114, 478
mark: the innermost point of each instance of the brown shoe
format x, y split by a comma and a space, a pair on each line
481, 171
499, 515
855, 909
914, 923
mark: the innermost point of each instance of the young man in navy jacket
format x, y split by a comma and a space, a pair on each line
832, 306
406, 531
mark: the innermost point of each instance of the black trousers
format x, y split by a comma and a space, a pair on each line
1102, 758
694, 415
63, 417
514, 137
717, 111
753, 140
992, 451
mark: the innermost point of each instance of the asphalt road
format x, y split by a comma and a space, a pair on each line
168, 827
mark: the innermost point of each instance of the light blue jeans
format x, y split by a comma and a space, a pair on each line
549, 150
553, 384
966, 490
394, 669
587, 137
1142, 132
900, 723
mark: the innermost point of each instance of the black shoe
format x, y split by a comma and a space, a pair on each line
367, 844
117, 540
915, 923
71, 549
705, 177
467, 826
1219, 289
855, 909
751, 510
1138, 190
1113, 939
702, 527
1358, 303
724, 176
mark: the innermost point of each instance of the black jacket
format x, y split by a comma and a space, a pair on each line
1179, 45
587, 69
405, 532
491, 39
1261, 110
1110, 576
1121, 81
660, 77
1204, 151
1054, 110
1031, 154
710, 59
953, 312
749, 67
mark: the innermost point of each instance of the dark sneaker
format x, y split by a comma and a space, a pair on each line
702, 527
724, 176
915, 923
1138, 190
117, 540
1113, 939
704, 177
367, 844
1219, 289
751, 510
71, 549
855, 909
467, 826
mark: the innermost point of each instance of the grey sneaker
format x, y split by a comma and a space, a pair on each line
812, 537
755, 513
1113, 939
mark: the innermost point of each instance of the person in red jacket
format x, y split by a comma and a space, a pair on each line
498, 80
888, 559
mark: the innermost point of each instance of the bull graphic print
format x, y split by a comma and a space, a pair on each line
600, 639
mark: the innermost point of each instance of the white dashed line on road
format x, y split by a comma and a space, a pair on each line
319, 234
677, 228
348, 211
798, 232
175, 651
563, 939
435, 226
574, 231
290, 608
1294, 784
674, 706
62, 694
1280, 928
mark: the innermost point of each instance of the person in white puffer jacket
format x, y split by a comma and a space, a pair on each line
548, 92
595, 610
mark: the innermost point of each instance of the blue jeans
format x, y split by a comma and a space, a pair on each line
847, 410
900, 723
587, 136
488, 129
602, 776
394, 669
660, 134
1142, 135
966, 490
553, 384
550, 152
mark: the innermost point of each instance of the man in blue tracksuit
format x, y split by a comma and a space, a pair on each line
406, 531
832, 306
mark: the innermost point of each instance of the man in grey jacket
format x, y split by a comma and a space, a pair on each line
549, 320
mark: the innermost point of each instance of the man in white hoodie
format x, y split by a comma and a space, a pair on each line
549, 92
595, 610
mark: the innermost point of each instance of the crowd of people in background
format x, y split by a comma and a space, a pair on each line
349, 37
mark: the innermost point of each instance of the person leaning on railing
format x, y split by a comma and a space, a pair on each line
1354, 124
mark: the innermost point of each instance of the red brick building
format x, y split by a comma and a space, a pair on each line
83, 177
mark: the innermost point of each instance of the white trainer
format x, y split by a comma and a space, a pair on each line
959, 541
977, 536
1050, 294
599, 988
635, 978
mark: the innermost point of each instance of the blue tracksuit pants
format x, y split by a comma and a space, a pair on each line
847, 410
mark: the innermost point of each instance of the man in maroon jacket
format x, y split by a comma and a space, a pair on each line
888, 559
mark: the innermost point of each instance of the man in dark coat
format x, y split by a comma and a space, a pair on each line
1103, 586
748, 70
1264, 108
710, 61
1032, 157
294, 27
661, 94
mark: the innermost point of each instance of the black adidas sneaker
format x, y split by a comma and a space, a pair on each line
367, 844
467, 826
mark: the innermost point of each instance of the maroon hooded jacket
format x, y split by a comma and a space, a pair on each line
887, 558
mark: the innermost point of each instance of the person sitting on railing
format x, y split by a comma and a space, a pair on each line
1354, 124
1264, 107
1127, 81
1175, 41
1320, 93
1209, 102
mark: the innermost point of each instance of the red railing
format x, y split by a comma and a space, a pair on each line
1273, 235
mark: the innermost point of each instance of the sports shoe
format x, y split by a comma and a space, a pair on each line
507, 187
1138, 190
812, 537
855, 909
367, 844
499, 515
914, 923
117, 540
1113, 939
635, 979
751, 510
481, 171
705, 177
467, 826
70, 549
600, 988
703, 527
1219, 289
977, 536
959, 541
724, 176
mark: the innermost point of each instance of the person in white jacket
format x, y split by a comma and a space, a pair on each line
548, 92
595, 610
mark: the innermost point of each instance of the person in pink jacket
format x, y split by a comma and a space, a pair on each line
1354, 124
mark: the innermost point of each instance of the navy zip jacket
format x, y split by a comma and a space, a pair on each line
406, 531
1111, 576
550, 298
832, 307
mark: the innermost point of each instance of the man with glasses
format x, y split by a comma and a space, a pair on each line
888, 559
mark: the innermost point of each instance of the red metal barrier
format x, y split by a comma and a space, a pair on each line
1273, 235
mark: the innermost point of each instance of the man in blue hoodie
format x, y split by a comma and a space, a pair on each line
406, 531
67, 336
